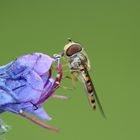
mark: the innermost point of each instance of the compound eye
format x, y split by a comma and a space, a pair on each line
73, 49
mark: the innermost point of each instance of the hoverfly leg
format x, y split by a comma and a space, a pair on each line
65, 65
73, 78
67, 77
67, 88
76, 70
60, 97
54, 68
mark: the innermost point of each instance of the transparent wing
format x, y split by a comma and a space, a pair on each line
99, 103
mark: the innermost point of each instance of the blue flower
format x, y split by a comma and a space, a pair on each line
25, 84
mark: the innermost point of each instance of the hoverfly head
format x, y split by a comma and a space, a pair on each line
72, 48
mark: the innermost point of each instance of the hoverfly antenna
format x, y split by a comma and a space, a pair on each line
69, 39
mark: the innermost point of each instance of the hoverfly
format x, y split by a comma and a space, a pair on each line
79, 66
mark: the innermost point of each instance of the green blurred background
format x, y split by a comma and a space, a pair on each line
109, 32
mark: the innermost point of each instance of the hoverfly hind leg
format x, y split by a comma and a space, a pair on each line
60, 97
73, 78
67, 88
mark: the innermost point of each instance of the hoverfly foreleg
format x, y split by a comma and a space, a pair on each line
75, 70
64, 87
73, 77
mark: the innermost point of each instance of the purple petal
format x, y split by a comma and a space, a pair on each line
40, 112
38, 62
5, 98
26, 79
43, 64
